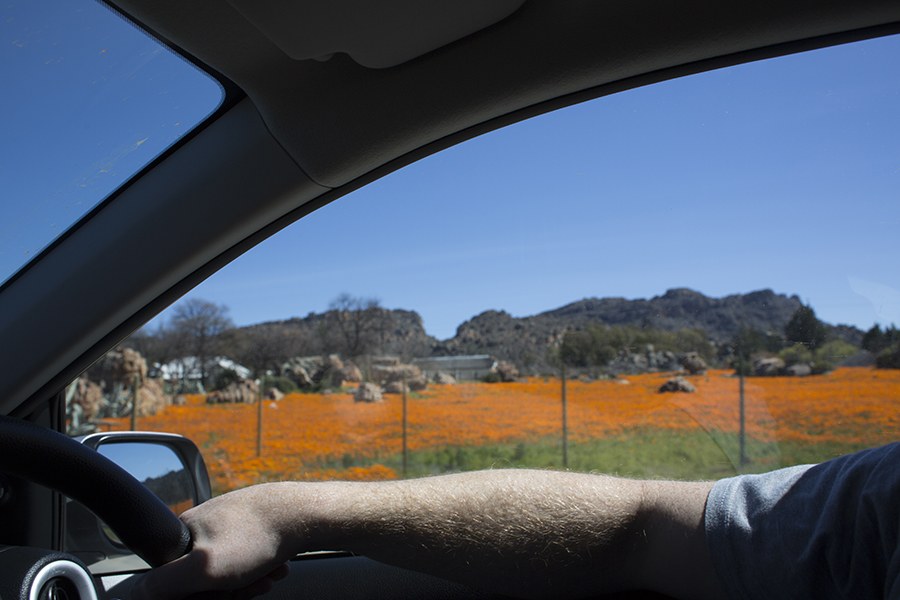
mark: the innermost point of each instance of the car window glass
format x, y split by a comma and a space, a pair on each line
687, 280
88, 100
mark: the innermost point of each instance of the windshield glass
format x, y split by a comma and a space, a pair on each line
686, 280
88, 100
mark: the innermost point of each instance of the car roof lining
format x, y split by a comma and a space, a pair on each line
340, 120
374, 34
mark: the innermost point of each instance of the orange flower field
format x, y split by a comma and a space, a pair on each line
321, 436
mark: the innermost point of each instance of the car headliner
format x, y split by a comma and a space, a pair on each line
296, 134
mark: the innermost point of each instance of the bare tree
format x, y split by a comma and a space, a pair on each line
356, 325
266, 347
197, 327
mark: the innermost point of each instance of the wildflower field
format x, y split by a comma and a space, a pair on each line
615, 426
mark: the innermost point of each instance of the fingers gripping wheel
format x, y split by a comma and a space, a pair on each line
138, 517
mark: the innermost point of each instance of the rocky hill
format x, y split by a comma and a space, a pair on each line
680, 308
374, 331
525, 340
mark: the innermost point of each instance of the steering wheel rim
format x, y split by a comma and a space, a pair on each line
141, 520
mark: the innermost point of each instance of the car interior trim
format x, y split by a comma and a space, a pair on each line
68, 571
374, 34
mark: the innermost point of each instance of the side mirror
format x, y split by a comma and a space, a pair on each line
169, 465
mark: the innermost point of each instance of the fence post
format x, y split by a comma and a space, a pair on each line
134, 402
743, 432
259, 415
405, 445
565, 418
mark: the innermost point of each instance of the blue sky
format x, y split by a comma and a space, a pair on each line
87, 101
783, 174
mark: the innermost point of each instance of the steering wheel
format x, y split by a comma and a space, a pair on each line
140, 519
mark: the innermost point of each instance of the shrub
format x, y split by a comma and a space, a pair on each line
889, 358
875, 340
742, 367
835, 352
805, 328
796, 354
283, 384
224, 378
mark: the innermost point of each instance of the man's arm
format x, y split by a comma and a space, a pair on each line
522, 533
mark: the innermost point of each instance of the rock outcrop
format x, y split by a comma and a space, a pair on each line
442, 378
311, 372
389, 375
646, 359
368, 392
245, 391
118, 375
507, 371
693, 363
677, 384
87, 396
768, 367
798, 370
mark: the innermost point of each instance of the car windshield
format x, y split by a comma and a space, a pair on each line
686, 280
88, 100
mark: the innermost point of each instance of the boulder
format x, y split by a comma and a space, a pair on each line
111, 392
119, 366
88, 396
330, 371
395, 387
301, 369
442, 378
798, 370
331, 374
244, 391
151, 398
627, 362
273, 393
351, 373
411, 374
666, 361
368, 392
388, 373
644, 360
418, 384
768, 367
693, 363
507, 371
677, 384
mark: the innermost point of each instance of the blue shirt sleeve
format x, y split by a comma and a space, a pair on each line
820, 531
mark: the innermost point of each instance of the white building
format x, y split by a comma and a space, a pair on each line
471, 367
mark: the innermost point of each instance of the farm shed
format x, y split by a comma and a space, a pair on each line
469, 367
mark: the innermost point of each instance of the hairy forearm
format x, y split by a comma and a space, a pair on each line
524, 533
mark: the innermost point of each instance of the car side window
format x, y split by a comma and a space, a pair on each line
687, 280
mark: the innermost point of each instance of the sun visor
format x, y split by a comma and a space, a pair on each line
375, 33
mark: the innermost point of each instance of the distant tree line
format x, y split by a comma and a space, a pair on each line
804, 340
202, 330
354, 327
885, 345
